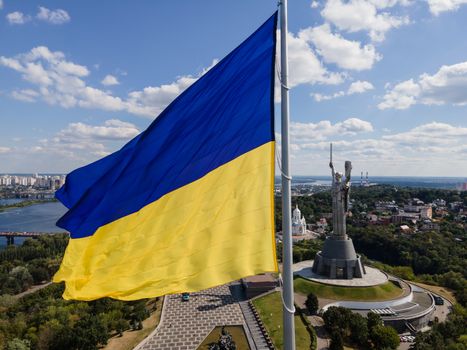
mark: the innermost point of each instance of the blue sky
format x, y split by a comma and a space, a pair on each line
385, 80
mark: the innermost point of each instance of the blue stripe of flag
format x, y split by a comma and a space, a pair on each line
224, 114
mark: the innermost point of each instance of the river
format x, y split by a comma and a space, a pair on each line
38, 218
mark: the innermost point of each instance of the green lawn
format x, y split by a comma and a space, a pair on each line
384, 291
270, 310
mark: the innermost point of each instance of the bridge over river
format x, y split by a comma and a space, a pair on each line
10, 235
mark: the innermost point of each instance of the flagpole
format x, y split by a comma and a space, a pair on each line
287, 287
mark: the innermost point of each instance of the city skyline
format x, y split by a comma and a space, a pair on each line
387, 86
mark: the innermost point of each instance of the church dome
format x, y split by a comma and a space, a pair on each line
296, 211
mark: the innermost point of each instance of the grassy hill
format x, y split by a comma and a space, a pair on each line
270, 310
384, 291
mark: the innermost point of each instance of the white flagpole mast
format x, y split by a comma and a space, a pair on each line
287, 287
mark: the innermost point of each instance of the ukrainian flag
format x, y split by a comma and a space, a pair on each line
188, 204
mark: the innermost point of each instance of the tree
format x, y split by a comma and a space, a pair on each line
11, 286
7, 301
358, 329
54, 336
427, 341
337, 343
121, 326
89, 332
373, 320
384, 337
336, 320
311, 303
18, 344
39, 274
22, 275
138, 314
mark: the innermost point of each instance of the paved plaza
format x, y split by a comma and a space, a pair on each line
372, 277
185, 324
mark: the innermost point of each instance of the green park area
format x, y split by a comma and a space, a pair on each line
270, 310
384, 291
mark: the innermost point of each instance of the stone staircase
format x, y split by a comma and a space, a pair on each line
255, 325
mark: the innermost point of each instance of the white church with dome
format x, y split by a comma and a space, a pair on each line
298, 223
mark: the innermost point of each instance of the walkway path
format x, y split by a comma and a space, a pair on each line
316, 321
184, 325
33, 289
322, 340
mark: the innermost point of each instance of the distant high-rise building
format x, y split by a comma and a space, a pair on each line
426, 212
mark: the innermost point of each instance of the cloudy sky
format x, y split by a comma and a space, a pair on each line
384, 80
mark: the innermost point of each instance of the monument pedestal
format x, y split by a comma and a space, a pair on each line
338, 259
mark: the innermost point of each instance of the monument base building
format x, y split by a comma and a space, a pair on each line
338, 259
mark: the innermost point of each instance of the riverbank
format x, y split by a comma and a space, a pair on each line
26, 203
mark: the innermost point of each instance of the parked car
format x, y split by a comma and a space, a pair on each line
438, 300
185, 296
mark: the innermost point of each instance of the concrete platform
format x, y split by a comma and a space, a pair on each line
373, 277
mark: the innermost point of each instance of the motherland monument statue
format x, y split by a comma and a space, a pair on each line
340, 189
338, 258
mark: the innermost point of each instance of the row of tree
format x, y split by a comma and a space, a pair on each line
345, 326
43, 320
34, 262
449, 335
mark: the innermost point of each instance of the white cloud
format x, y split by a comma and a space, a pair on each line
112, 129
109, 80
57, 16
363, 15
5, 149
25, 95
433, 133
58, 81
357, 87
438, 6
381, 4
80, 143
344, 53
402, 96
320, 97
307, 132
314, 4
153, 99
434, 149
1, 4
17, 18
61, 82
304, 66
447, 86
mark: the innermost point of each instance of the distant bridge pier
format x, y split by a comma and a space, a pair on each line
10, 240
10, 236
